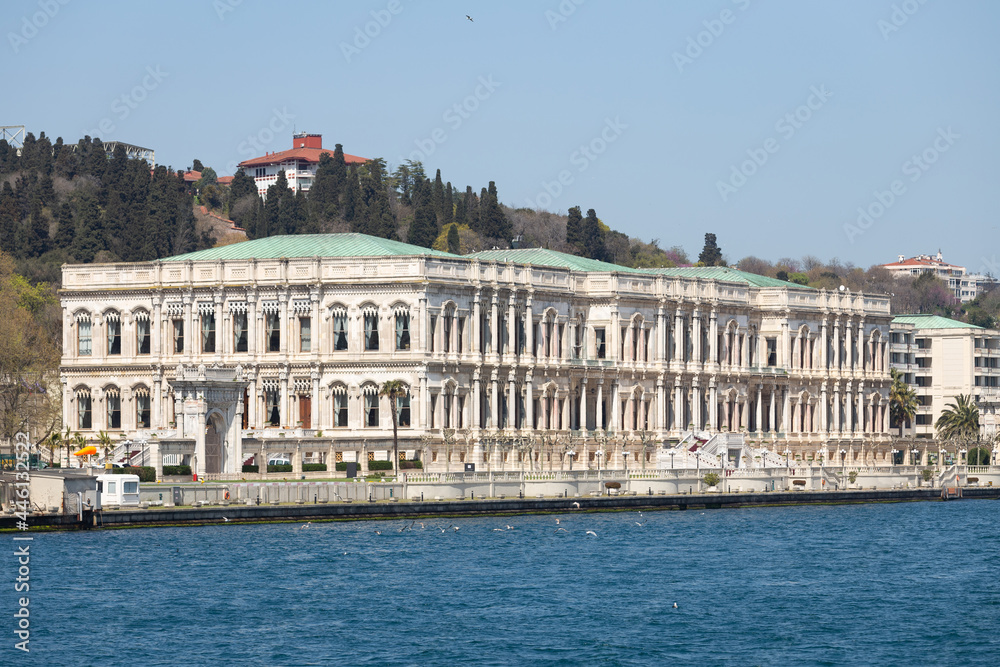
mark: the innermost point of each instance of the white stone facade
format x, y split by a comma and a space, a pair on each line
567, 358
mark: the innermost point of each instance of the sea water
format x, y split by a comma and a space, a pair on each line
878, 584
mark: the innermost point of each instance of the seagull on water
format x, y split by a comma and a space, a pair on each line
590, 532
639, 524
498, 530
557, 522
378, 532
509, 527
675, 605
456, 528
307, 524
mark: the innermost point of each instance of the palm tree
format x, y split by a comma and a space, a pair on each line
394, 389
106, 443
902, 401
959, 420
79, 440
54, 443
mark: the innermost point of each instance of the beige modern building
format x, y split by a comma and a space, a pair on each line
965, 286
293, 336
942, 358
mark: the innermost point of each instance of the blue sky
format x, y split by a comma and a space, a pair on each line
857, 129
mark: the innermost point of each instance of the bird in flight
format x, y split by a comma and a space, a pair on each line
469, 17
590, 532
225, 518
576, 505
562, 529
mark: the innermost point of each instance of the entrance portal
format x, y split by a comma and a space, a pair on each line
213, 447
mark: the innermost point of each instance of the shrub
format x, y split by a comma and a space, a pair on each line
313, 467
380, 465
145, 473
410, 465
852, 476
712, 479
251, 467
927, 474
284, 467
342, 466
176, 470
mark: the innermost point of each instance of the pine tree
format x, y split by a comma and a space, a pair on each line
37, 238
574, 227
9, 217
711, 254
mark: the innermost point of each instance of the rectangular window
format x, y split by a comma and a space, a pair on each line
130, 487
434, 322
772, 352
208, 332
83, 338
83, 411
600, 342
114, 336
142, 410
271, 413
340, 330
403, 410
340, 410
446, 334
434, 399
142, 336
371, 331
114, 403
924, 420
178, 336
305, 334
272, 332
241, 333
460, 335
402, 331
371, 410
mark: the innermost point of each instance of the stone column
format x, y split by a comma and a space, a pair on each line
477, 323
697, 353
785, 346
836, 342
823, 409
155, 329
599, 407
760, 409
678, 335
477, 406
713, 335
583, 404
253, 325
283, 399
785, 410
848, 346
772, 412
529, 401
494, 402
511, 324
713, 405
494, 329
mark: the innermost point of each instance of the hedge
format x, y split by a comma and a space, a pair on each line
248, 467
177, 470
287, 467
313, 467
145, 473
380, 465
410, 465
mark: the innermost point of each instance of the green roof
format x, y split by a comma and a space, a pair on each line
725, 273
546, 257
310, 245
932, 322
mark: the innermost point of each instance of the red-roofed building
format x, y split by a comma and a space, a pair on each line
299, 164
965, 286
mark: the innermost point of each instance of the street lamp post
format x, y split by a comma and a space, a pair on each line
788, 453
892, 456
843, 465
915, 451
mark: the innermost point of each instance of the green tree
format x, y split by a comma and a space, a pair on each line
959, 421
454, 243
493, 221
711, 254
902, 401
394, 390
574, 227
593, 237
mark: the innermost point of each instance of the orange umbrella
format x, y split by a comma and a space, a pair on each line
86, 451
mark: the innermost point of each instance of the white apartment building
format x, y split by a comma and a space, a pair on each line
294, 336
942, 358
965, 286
299, 164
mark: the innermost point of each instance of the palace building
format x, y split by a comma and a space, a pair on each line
292, 337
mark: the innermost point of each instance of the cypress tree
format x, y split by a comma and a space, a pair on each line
437, 198
423, 229
472, 209
449, 204
494, 221
324, 195
37, 238
89, 238
574, 227
454, 243
460, 216
65, 231
593, 237
711, 254
352, 197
